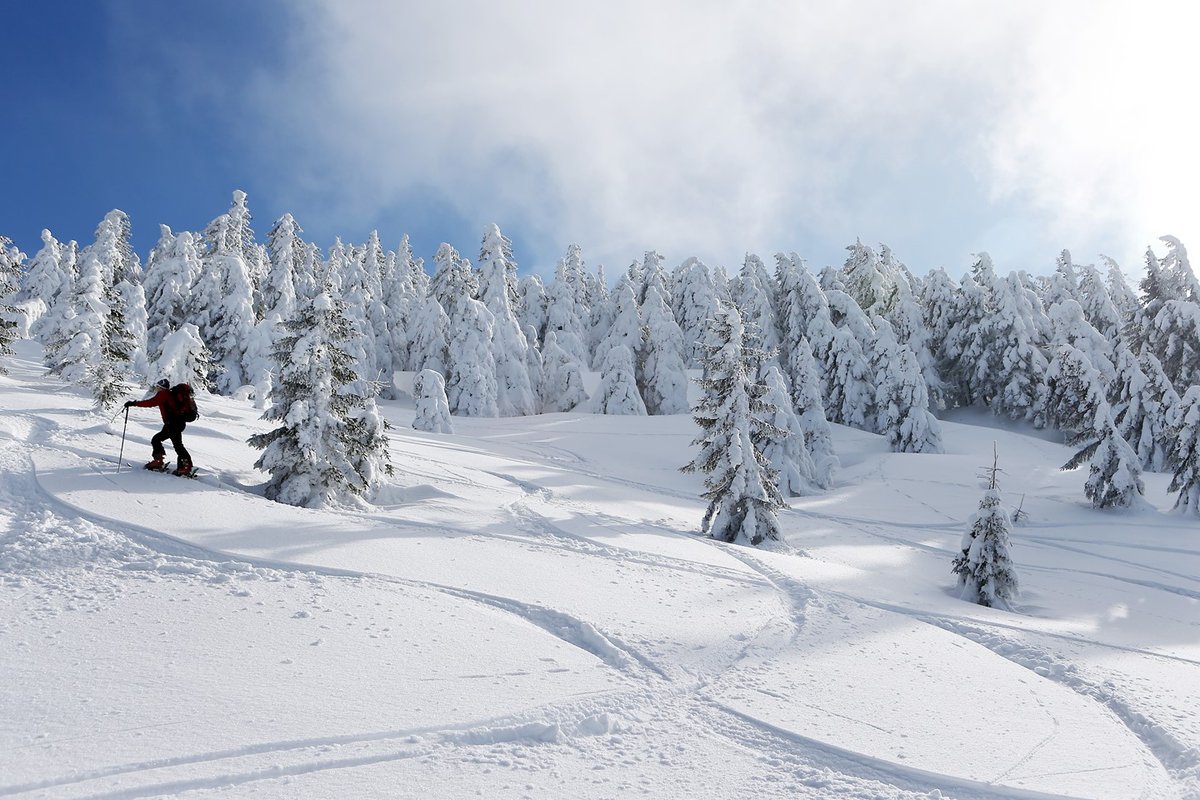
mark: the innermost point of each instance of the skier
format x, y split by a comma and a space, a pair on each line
173, 425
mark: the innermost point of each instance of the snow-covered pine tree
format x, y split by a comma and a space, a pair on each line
907, 320
1071, 328
1177, 271
735, 424
43, 277
901, 397
223, 296
453, 279
1174, 338
94, 347
49, 326
172, 269
430, 342
1123, 297
626, 330
985, 569
1016, 364
121, 276
600, 307
864, 280
754, 292
696, 301
359, 290
404, 288
1114, 475
654, 274
9, 286
534, 367
1186, 457
564, 319
664, 379
809, 409
432, 408
837, 336
183, 358
497, 291
1069, 394
330, 446
618, 391
965, 348
788, 454
562, 378
1144, 403
1098, 307
531, 307
1063, 285
470, 365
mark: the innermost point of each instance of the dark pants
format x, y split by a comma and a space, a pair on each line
174, 432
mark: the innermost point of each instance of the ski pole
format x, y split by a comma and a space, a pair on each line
121, 457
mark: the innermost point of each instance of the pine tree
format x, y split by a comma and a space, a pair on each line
901, 398
223, 295
330, 446
788, 454
514, 395
963, 356
44, 277
696, 301
735, 424
171, 271
985, 569
183, 358
806, 401
1114, 475
837, 337
531, 306
626, 330
1016, 364
432, 408
404, 288
562, 378
453, 279
1186, 479
754, 294
470, 365
563, 317
664, 379
1069, 394
1143, 405
431, 337
618, 391
862, 277
9, 285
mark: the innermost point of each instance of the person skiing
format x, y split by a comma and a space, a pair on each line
173, 425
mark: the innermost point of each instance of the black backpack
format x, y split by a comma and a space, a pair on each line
184, 402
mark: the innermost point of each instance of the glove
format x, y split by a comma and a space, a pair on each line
128, 403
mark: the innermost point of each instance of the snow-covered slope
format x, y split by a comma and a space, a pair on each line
527, 612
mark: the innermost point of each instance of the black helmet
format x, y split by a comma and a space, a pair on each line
163, 384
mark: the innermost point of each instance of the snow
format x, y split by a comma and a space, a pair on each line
527, 611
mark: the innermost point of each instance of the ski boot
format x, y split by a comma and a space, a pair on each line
184, 469
158, 465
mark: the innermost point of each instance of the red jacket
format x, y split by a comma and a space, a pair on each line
162, 399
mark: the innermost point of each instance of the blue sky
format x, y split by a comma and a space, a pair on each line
696, 127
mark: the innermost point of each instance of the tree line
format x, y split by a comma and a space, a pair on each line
316, 337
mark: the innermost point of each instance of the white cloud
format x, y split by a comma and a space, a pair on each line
711, 128
1099, 132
